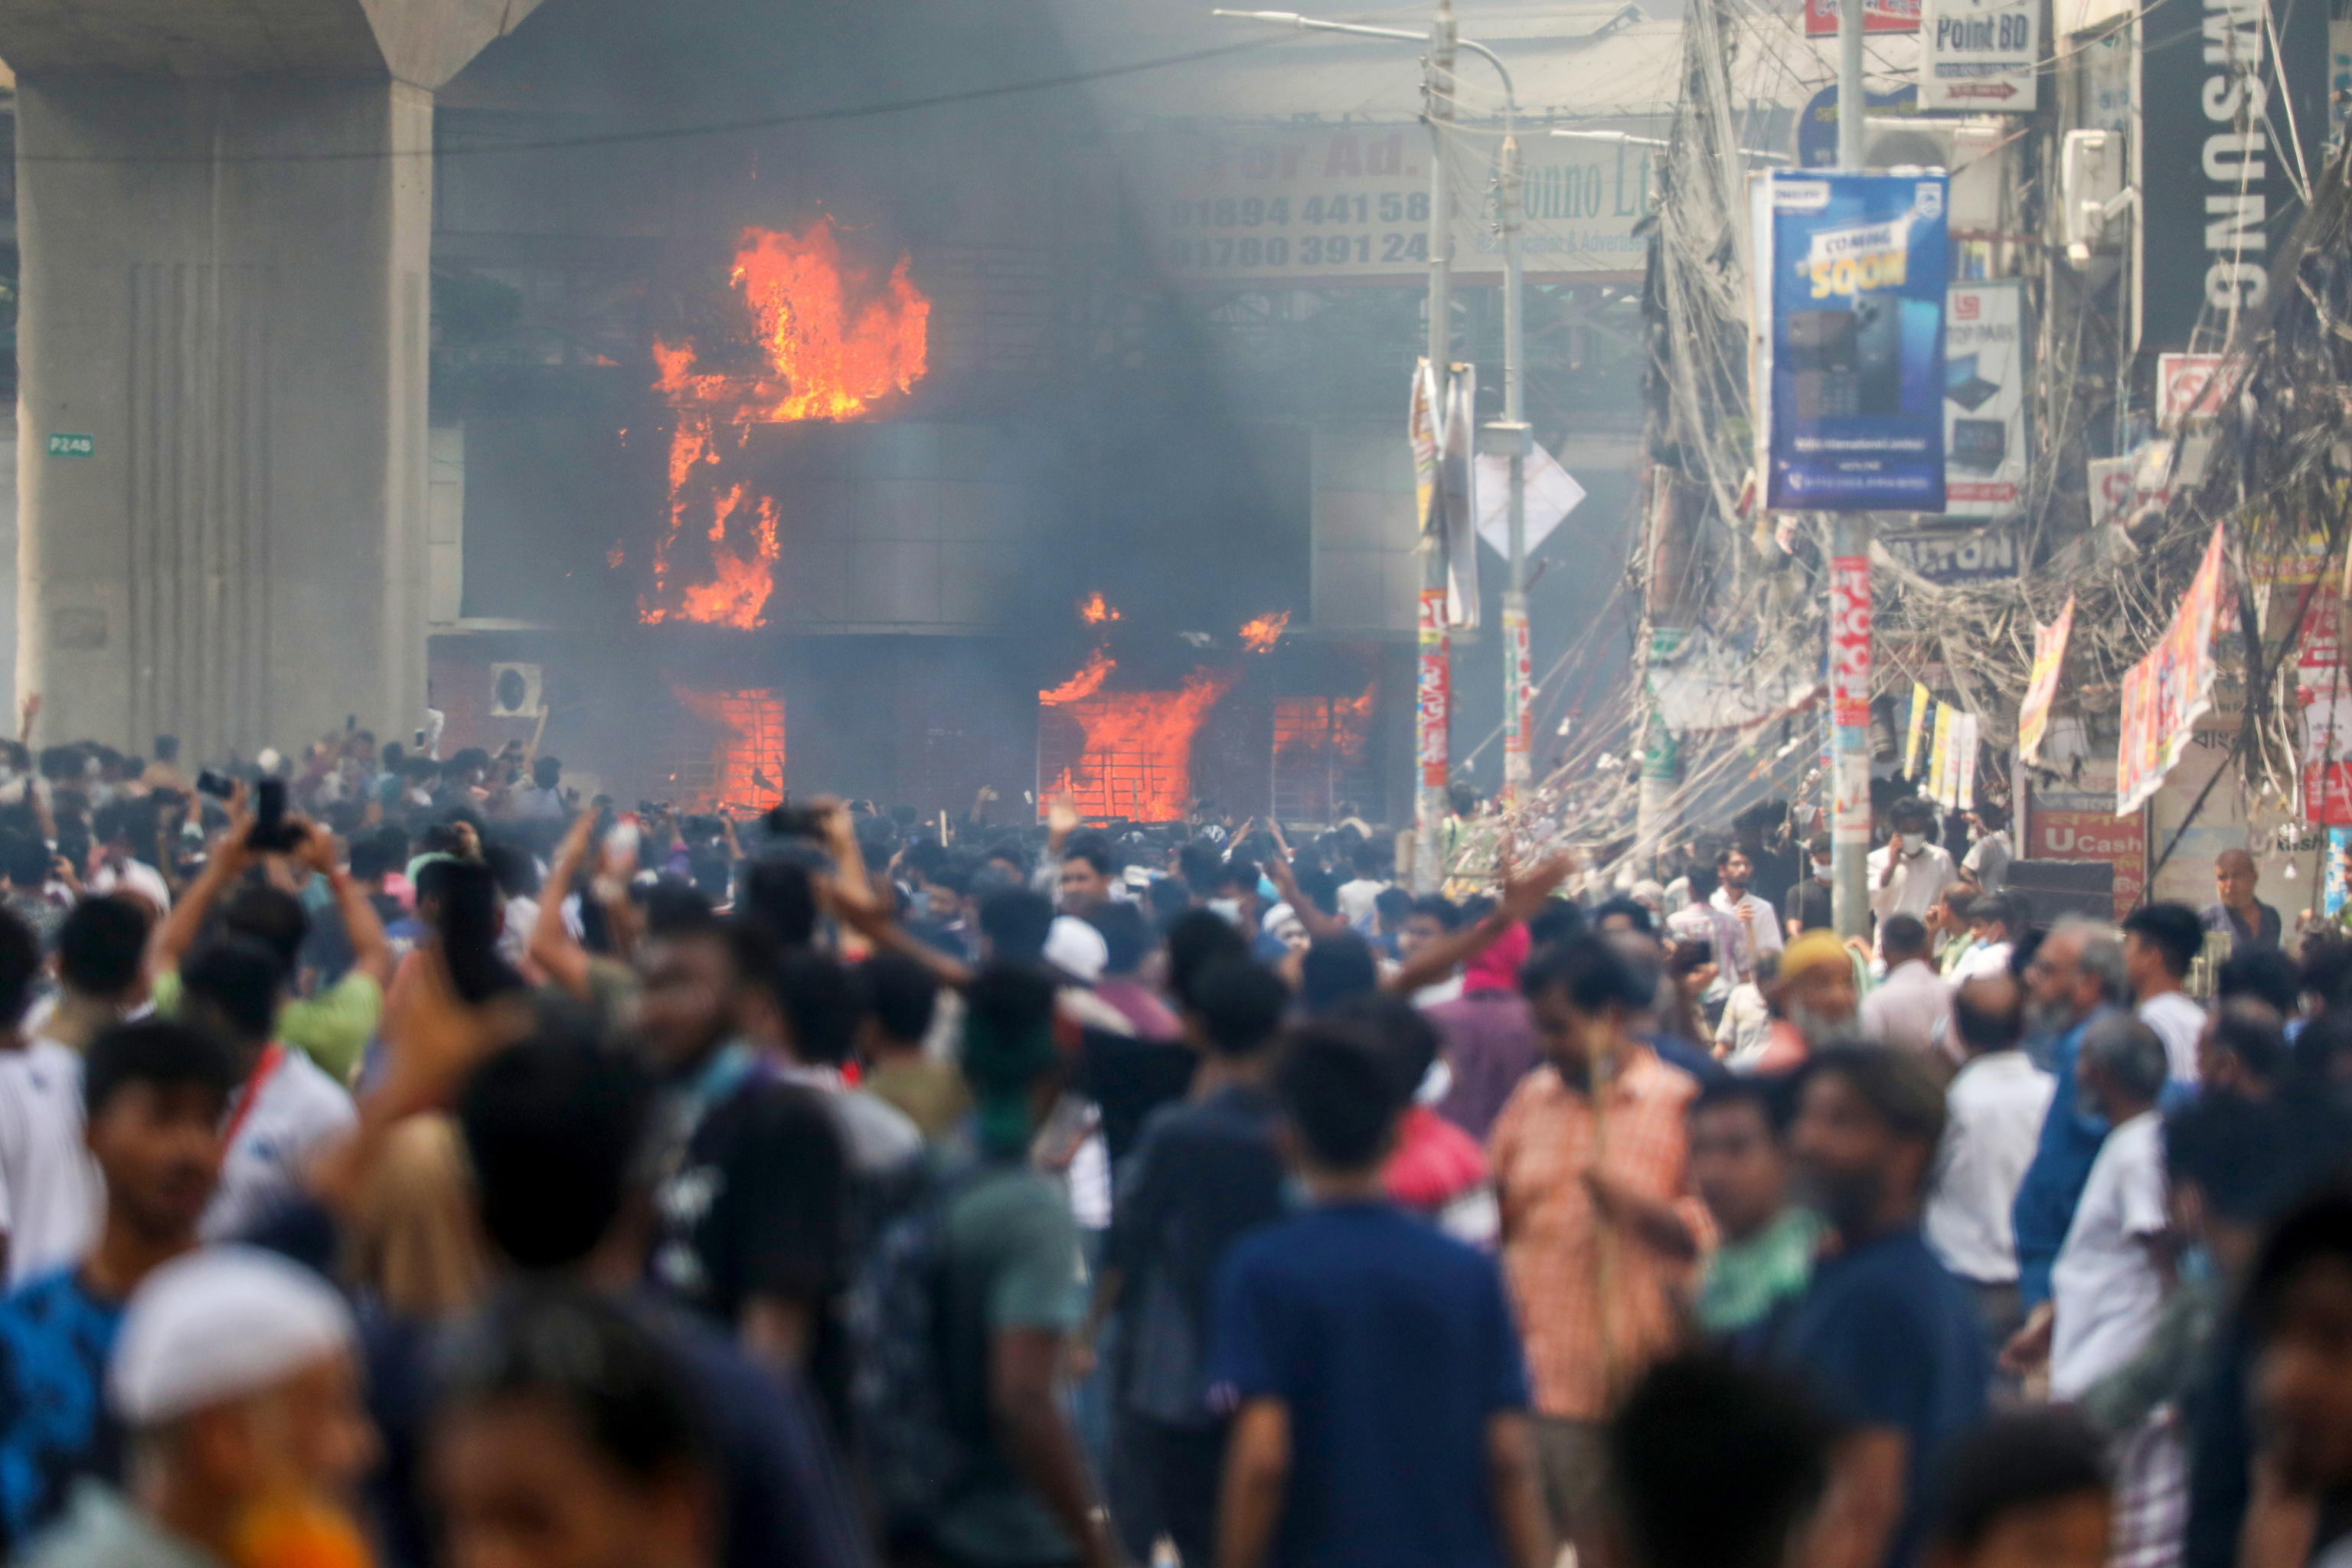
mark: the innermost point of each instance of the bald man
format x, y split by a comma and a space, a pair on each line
2249, 921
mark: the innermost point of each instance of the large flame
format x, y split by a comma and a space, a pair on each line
1081, 686
1260, 635
832, 343
1136, 759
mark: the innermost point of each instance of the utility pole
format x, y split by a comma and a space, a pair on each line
1512, 433
1432, 740
1849, 617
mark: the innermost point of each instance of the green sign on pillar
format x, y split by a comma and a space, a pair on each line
62, 444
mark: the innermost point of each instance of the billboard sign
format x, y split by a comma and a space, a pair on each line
2234, 110
1851, 276
1984, 399
1877, 16
1981, 56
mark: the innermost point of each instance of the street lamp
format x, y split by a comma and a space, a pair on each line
1508, 436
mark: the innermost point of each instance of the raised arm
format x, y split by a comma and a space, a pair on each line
224, 864
1523, 897
371, 949
553, 946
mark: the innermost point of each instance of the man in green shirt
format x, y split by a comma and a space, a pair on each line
1015, 1292
332, 1024
1741, 1167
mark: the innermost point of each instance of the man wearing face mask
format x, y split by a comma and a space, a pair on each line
1908, 874
1809, 903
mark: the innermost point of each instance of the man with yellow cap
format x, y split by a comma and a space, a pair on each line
1813, 999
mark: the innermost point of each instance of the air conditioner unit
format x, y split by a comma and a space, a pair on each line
1977, 154
515, 691
2090, 187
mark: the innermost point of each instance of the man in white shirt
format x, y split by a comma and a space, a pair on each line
2107, 1288
1373, 864
2160, 941
49, 1191
1990, 851
286, 1109
1907, 1009
1993, 1114
1760, 924
1907, 874
1994, 922
1704, 919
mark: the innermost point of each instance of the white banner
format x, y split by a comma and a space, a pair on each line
1981, 56
1232, 205
1984, 399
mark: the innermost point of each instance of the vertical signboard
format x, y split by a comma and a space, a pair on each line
1851, 277
1984, 399
1435, 689
1850, 642
2233, 109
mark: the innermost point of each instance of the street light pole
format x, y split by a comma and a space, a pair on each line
1849, 608
1513, 432
1433, 712
1432, 738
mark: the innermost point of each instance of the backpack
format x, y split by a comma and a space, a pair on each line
916, 1453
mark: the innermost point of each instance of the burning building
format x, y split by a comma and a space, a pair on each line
909, 454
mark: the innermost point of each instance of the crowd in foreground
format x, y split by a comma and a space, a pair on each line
404, 1162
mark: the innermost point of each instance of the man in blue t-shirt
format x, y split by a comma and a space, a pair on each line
156, 1093
1886, 1338
1371, 1360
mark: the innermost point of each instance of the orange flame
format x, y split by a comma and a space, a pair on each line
1136, 758
1095, 611
747, 761
1259, 635
832, 343
1083, 685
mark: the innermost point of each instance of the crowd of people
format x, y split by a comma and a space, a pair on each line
404, 1161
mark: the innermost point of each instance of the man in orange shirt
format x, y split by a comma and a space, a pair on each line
1599, 1234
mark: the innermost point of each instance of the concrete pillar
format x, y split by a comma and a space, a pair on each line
224, 218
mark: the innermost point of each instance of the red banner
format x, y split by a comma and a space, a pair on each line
1877, 16
1435, 692
1849, 641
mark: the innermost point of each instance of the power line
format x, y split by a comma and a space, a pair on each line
692, 132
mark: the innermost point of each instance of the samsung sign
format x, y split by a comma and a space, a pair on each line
2233, 113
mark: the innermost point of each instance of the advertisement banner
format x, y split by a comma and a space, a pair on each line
1295, 207
1457, 483
2124, 488
1851, 277
1984, 399
2194, 386
1971, 745
1955, 555
1515, 649
2339, 872
1420, 429
2323, 694
1435, 692
1919, 705
2042, 683
1980, 55
1939, 753
1849, 641
2164, 693
1877, 16
2233, 113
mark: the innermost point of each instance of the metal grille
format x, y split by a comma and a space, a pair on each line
742, 763
1320, 747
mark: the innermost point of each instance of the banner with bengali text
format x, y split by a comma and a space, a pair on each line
2166, 692
2049, 657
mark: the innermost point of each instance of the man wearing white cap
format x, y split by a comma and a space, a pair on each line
237, 1375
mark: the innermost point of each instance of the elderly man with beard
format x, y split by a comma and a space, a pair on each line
1813, 1000
2078, 976
1886, 1338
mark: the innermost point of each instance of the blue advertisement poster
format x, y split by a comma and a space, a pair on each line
1851, 274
